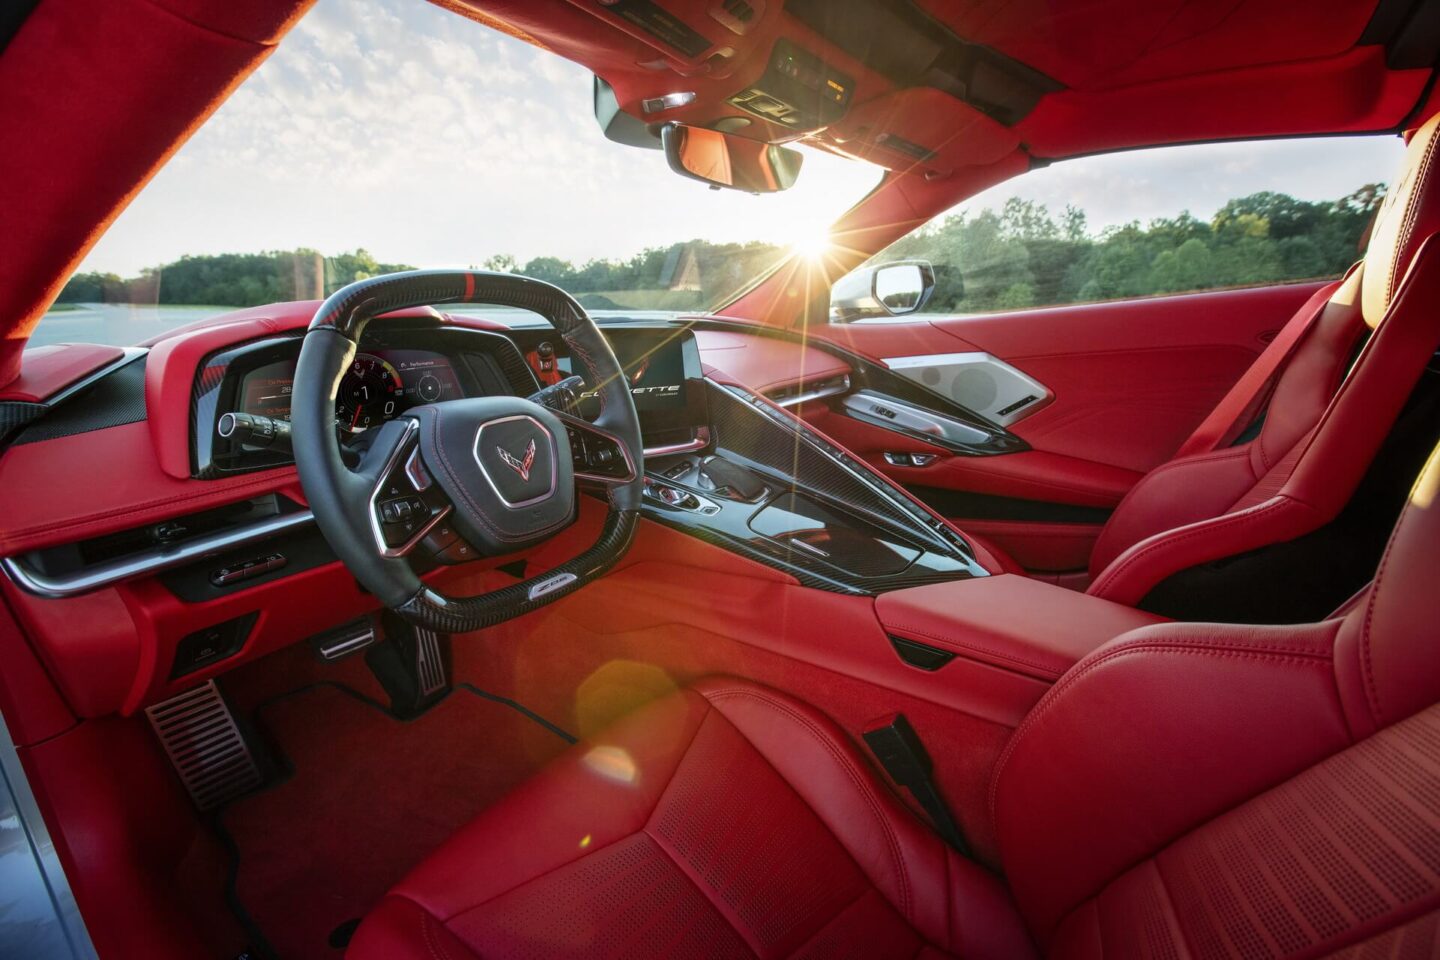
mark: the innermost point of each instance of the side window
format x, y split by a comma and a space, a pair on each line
1148, 223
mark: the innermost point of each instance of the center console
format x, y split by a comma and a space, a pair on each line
767, 487
1003, 640
727, 466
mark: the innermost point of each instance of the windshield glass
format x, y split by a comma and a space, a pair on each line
388, 135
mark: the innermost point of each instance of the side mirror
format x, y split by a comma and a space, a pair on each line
886, 290
730, 161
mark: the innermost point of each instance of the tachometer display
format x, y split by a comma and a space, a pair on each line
370, 393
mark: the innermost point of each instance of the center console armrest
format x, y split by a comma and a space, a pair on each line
1021, 627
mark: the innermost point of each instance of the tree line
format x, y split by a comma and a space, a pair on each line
231, 279
1020, 255
1024, 255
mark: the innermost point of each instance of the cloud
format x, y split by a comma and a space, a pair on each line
429, 139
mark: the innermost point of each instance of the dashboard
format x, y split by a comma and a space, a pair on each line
199, 533
404, 365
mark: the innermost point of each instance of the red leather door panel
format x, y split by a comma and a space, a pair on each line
1130, 380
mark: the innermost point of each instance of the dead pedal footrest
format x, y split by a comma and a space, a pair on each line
204, 744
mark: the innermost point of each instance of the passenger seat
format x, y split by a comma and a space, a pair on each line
1331, 407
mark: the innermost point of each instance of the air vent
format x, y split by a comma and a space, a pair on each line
201, 739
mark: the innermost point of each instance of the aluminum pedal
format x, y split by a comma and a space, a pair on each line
204, 744
351, 638
429, 663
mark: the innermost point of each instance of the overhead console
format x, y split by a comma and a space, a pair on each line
798, 90
910, 48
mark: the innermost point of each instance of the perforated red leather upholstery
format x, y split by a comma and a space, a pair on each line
725, 821
1318, 437
1187, 790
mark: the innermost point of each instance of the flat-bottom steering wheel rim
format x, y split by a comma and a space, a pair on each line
341, 498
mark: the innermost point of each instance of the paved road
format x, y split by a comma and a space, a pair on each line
122, 324
117, 323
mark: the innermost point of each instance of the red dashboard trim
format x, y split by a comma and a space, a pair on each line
764, 363
45, 371
90, 484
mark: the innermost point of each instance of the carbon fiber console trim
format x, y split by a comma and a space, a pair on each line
825, 519
113, 399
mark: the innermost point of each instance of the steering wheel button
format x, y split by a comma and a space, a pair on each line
440, 536
389, 513
397, 533
457, 552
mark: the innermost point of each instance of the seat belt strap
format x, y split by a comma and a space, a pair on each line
1229, 416
898, 748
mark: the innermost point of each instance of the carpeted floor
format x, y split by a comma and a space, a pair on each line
369, 797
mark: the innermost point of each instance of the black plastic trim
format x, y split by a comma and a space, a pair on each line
961, 505
919, 655
13, 15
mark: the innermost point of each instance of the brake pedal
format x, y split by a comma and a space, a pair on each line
205, 745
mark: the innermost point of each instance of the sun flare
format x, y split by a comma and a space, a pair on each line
813, 243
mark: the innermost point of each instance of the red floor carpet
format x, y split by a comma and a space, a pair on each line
369, 798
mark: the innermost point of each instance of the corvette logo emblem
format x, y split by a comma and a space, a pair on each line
521, 467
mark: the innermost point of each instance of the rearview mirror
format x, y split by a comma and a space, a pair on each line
730, 161
886, 290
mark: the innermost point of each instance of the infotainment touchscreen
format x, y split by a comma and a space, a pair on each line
662, 368
655, 369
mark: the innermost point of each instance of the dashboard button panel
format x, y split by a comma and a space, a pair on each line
247, 569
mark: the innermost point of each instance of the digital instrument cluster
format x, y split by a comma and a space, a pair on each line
378, 386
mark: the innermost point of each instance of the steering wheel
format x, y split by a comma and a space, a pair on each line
499, 472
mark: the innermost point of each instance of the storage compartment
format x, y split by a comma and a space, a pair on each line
1010, 635
848, 543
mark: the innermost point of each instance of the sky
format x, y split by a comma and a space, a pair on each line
428, 139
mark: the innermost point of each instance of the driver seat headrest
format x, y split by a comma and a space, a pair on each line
1408, 215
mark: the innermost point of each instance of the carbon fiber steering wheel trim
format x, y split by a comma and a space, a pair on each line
331, 487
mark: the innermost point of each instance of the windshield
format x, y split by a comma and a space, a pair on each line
388, 135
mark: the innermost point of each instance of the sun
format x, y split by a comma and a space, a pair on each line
813, 243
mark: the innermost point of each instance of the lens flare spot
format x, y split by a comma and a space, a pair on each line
612, 763
617, 688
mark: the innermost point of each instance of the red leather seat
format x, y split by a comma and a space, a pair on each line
1186, 790
1324, 421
